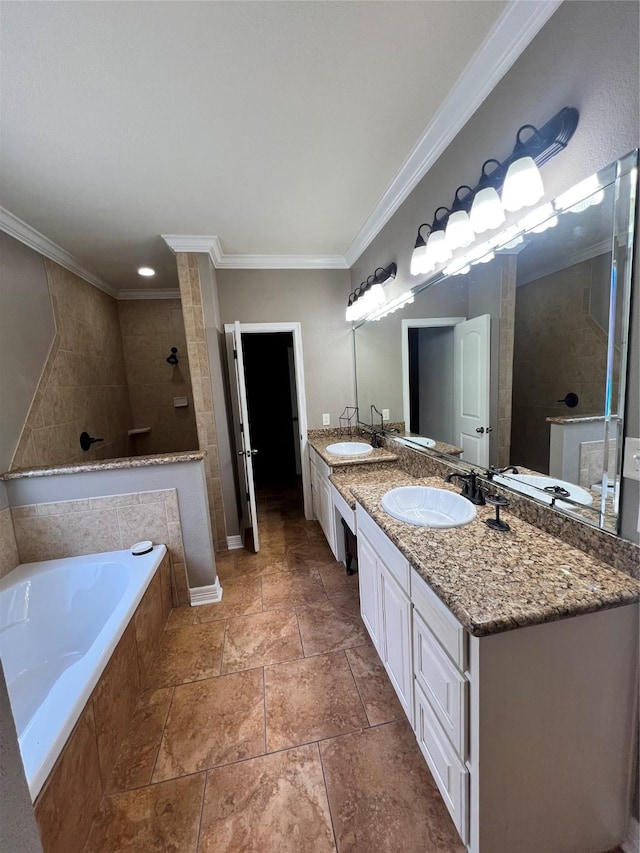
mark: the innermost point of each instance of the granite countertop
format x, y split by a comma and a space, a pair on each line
577, 419
106, 464
349, 477
493, 581
439, 446
320, 443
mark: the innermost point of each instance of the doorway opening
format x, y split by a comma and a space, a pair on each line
431, 382
273, 418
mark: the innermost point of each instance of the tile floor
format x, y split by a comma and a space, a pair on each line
268, 723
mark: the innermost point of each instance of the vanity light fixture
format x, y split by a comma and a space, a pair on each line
147, 272
369, 296
419, 257
459, 234
482, 209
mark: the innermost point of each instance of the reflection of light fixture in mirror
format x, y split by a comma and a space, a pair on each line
539, 220
583, 195
458, 267
459, 233
509, 238
419, 257
147, 272
481, 254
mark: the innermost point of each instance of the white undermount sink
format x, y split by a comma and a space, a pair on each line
425, 506
350, 448
420, 440
541, 487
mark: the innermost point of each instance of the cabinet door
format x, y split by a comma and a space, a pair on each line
394, 619
368, 582
327, 517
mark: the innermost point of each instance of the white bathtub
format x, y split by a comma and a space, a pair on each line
60, 621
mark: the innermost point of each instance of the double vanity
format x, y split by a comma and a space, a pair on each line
513, 654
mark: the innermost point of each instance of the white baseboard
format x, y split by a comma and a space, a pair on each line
234, 542
206, 594
631, 843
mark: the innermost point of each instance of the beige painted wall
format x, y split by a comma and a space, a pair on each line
26, 334
315, 298
586, 56
149, 328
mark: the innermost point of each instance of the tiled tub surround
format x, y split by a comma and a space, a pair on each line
69, 800
493, 581
9, 558
48, 531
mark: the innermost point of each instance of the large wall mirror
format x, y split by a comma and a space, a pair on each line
519, 360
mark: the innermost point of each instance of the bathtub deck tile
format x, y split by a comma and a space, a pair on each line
213, 722
114, 701
149, 624
70, 798
164, 817
137, 757
187, 653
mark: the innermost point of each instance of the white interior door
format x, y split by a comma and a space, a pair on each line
472, 380
249, 512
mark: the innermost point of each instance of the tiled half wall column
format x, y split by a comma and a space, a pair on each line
194, 325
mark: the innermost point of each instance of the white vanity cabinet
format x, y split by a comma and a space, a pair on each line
528, 733
321, 497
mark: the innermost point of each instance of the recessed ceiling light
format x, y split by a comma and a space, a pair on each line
146, 271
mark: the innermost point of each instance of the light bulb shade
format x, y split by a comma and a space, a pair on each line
437, 250
459, 233
523, 185
377, 295
486, 211
418, 258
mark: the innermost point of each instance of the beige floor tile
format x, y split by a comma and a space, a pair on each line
310, 555
336, 581
265, 562
327, 626
217, 721
382, 796
137, 757
240, 597
187, 653
286, 589
180, 616
261, 639
311, 699
157, 819
376, 691
274, 803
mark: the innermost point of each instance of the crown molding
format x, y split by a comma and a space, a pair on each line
173, 293
23, 232
211, 246
513, 31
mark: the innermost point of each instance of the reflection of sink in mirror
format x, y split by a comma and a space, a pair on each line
534, 485
420, 440
349, 448
425, 506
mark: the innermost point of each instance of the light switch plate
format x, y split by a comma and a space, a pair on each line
326, 420
385, 414
631, 460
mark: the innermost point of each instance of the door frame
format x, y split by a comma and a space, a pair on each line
426, 323
296, 330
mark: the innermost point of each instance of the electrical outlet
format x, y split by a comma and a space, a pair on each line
631, 461
385, 414
326, 420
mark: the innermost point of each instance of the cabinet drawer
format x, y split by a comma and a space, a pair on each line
440, 620
449, 773
443, 684
397, 565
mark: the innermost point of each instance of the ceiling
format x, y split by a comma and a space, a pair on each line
276, 126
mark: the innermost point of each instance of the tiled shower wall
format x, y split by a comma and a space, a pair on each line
47, 531
194, 324
9, 558
83, 385
149, 328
